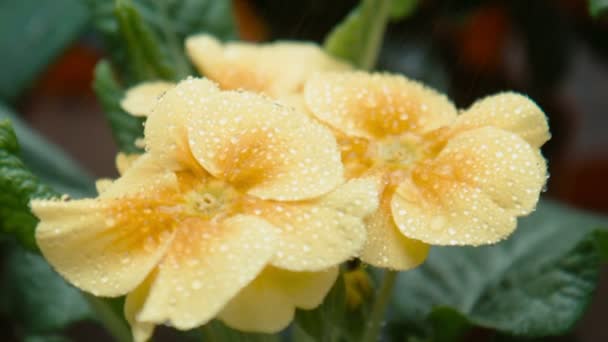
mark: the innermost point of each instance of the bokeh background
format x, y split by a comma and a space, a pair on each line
552, 50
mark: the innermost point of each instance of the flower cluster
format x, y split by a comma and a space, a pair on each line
258, 182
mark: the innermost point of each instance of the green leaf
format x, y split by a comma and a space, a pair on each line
17, 187
47, 161
598, 7
402, 8
536, 283
163, 24
35, 297
125, 127
358, 38
32, 34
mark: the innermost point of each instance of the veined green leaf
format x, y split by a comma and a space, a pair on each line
47, 161
17, 187
598, 7
359, 36
165, 24
35, 297
32, 34
536, 283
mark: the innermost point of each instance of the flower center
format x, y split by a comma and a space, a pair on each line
212, 200
396, 151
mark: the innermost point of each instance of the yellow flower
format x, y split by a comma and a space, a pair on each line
449, 179
276, 69
237, 210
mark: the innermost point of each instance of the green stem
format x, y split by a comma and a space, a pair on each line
110, 319
374, 327
376, 32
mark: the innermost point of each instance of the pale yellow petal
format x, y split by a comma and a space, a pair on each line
206, 266
274, 69
472, 191
376, 105
166, 128
103, 184
510, 111
316, 235
268, 304
124, 161
146, 175
95, 248
134, 302
386, 246
264, 148
140, 100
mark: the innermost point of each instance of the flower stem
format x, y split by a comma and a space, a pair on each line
374, 327
376, 32
109, 319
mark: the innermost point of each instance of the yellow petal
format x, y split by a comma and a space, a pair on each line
376, 105
386, 246
133, 304
95, 249
124, 161
140, 100
264, 148
146, 175
166, 128
273, 69
206, 266
102, 185
510, 111
268, 304
319, 234
472, 191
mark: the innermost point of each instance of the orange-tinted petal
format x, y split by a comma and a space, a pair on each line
95, 249
316, 235
206, 266
472, 191
510, 111
166, 128
264, 148
376, 105
274, 69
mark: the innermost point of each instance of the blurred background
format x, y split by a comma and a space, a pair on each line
552, 50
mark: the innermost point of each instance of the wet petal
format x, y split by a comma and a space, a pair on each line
273, 69
146, 175
206, 266
319, 234
102, 185
268, 304
133, 304
124, 161
89, 244
166, 127
140, 100
376, 105
510, 111
386, 246
264, 148
471, 192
